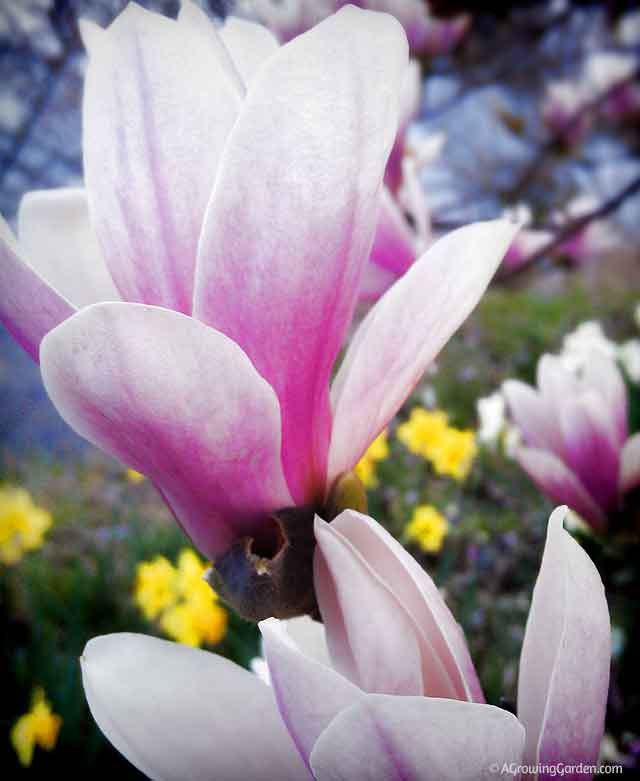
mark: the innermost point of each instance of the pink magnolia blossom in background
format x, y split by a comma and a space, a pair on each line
189, 305
427, 35
384, 689
576, 437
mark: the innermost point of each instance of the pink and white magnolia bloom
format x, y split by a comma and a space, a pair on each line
576, 437
232, 195
385, 689
426, 33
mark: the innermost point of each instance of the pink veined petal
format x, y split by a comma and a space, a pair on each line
534, 416
180, 403
561, 701
291, 220
57, 238
417, 739
630, 464
372, 639
309, 694
248, 44
29, 307
592, 452
159, 103
447, 667
603, 375
560, 484
404, 332
177, 712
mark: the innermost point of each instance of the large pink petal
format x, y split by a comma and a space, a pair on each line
159, 103
309, 694
57, 238
447, 667
564, 667
592, 451
560, 484
292, 217
534, 416
630, 464
179, 402
29, 307
372, 639
417, 738
404, 332
177, 712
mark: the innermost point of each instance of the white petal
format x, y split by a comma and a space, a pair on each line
180, 713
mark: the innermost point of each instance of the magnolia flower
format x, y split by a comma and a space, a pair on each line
385, 689
612, 74
575, 428
232, 194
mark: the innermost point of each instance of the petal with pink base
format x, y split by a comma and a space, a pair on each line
180, 403
560, 484
564, 667
372, 639
591, 449
417, 738
29, 307
309, 694
292, 216
534, 416
405, 331
447, 667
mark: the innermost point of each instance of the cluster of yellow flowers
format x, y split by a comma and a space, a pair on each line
428, 434
427, 528
186, 607
22, 524
39, 727
366, 468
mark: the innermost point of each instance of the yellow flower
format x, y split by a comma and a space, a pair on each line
427, 528
134, 477
366, 468
455, 453
22, 524
423, 431
196, 621
186, 606
39, 727
154, 589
